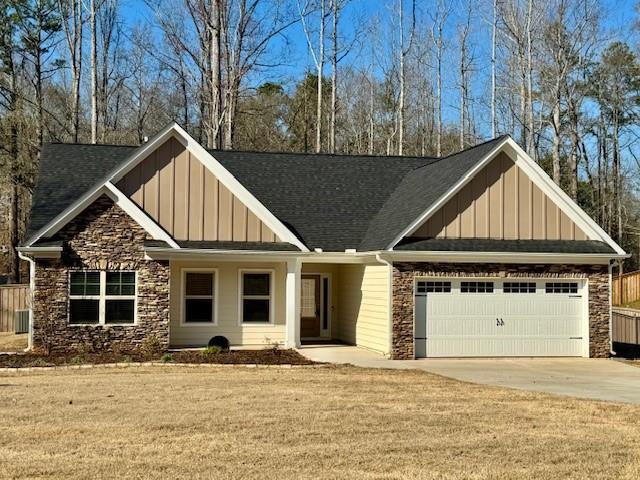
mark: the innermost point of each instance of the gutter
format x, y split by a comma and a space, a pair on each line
42, 252
402, 255
32, 288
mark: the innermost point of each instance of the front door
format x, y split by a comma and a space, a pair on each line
310, 307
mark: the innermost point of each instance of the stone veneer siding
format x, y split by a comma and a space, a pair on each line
103, 237
403, 296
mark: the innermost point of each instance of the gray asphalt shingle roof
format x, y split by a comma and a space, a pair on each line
333, 202
67, 171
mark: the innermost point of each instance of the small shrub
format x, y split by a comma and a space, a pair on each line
77, 360
272, 345
213, 350
127, 359
151, 346
39, 362
166, 358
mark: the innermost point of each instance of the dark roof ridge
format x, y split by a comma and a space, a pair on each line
84, 144
314, 154
477, 145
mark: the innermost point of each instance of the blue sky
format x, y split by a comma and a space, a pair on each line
618, 19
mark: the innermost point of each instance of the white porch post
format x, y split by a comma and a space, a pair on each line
292, 293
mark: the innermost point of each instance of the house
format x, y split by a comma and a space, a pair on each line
474, 254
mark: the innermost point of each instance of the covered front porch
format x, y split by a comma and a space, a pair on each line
275, 300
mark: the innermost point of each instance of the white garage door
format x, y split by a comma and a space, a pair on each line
493, 318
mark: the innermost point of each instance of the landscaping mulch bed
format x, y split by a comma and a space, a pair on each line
234, 357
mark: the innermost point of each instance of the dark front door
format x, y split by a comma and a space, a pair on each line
310, 306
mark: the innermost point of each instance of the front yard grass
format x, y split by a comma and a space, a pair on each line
335, 422
10, 342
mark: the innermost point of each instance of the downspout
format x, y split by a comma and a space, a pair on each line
32, 286
381, 260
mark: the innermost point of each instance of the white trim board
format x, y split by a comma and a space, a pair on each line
537, 175
222, 174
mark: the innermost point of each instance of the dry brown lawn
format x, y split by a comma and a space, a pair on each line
10, 342
344, 422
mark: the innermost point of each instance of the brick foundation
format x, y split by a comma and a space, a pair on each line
103, 237
403, 300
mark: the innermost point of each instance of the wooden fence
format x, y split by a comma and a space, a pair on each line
626, 288
625, 327
12, 299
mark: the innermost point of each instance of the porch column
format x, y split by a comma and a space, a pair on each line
292, 293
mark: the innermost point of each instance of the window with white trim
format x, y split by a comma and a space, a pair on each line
102, 298
519, 287
256, 297
476, 287
433, 287
199, 296
561, 287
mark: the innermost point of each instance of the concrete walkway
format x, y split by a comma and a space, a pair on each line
597, 379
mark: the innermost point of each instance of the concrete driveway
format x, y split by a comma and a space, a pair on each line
597, 379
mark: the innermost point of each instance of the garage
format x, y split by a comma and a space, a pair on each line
471, 317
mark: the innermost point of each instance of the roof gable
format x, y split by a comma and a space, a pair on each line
175, 188
418, 190
501, 202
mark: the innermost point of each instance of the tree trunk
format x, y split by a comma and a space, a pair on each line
494, 28
555, 150
215, 76
94, 73
320, 68
334, 78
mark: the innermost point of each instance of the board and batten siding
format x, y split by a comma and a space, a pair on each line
188, 201
363, 306
501, 202
228, 307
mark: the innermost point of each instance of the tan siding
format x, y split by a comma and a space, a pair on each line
228, 306
363, 306
501, 202
188, 201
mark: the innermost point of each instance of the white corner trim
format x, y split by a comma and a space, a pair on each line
538, 176
434, 207
138, 215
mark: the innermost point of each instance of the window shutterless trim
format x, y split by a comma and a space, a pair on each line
102, 299
183, 296
270, 297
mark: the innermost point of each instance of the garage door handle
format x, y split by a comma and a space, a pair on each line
575, 338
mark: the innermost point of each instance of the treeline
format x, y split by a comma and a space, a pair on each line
398, 77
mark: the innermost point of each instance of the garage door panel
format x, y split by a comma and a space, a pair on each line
459, 324
517, 347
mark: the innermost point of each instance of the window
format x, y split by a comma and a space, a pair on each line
476, 287
255, 297
199, 296
120, 297
433, 287
561, 287
519, 287
102, 298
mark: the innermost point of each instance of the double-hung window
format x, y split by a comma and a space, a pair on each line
102, 298
199, 296
256, 297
